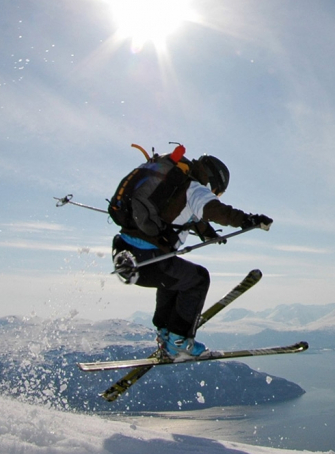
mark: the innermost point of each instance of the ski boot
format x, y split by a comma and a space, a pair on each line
181, 347
162, 337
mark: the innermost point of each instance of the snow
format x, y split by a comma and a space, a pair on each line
32, 429
39, 429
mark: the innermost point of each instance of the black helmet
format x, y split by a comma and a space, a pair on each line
218, 173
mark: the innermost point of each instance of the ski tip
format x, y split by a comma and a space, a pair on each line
303, 345
256, 273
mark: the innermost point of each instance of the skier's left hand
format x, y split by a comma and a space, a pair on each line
257, 220
209, 233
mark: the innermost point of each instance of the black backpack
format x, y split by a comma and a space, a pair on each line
143, 194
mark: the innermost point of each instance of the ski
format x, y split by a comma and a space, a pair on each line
124, 383
159, 360
247, 283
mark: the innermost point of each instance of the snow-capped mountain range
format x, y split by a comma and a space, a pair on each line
39, 361
285, 317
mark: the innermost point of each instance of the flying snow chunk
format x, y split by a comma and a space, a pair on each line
84, 250
200, 398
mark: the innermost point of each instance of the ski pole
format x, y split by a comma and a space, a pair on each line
219, 239
67, 199
122, 268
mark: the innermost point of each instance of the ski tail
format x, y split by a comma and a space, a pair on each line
124, 383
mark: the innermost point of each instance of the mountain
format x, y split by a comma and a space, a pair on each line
291, 316
284, 317
38, 364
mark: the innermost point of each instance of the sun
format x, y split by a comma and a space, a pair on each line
143, 21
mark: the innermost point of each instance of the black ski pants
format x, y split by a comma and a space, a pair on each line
181, 286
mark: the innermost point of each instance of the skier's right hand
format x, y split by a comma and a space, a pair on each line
257, 220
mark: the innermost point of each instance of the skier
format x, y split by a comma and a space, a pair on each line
182, 286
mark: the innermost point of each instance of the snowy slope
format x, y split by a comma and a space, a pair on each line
38, 363
32, 429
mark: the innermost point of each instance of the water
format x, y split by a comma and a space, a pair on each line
304, 423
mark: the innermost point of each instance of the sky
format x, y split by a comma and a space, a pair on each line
249, 81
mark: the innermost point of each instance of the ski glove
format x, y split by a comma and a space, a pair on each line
209, 233
257, 220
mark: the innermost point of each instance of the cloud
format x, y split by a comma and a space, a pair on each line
304, 249
318, 217
41, 246
95, 296
36, 227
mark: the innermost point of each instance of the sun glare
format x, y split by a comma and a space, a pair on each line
144, 21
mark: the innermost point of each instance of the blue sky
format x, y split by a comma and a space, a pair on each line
248, 81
